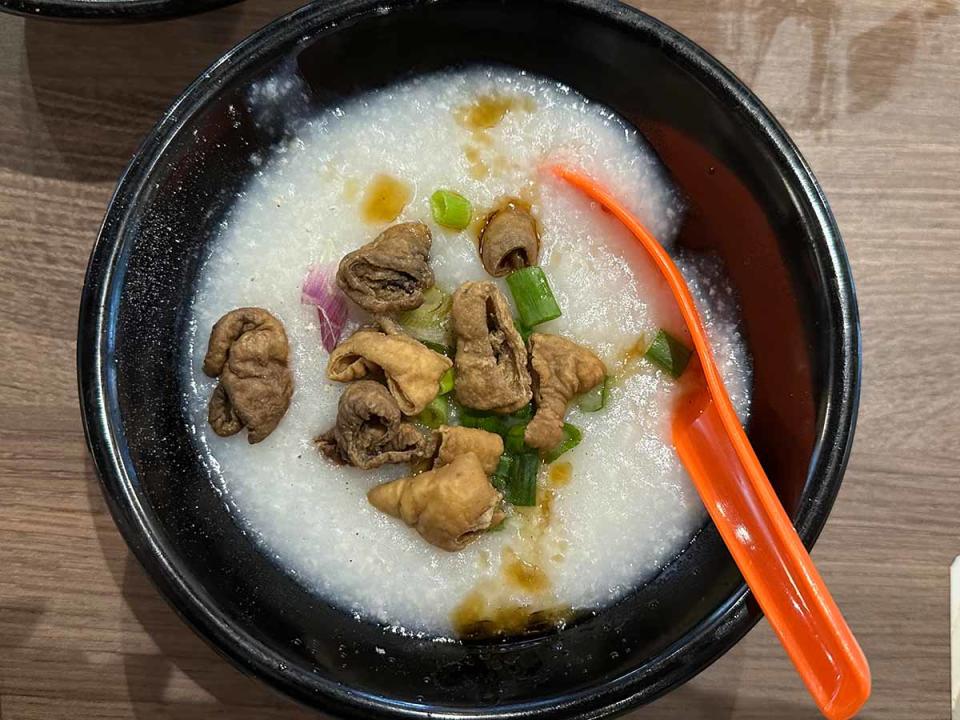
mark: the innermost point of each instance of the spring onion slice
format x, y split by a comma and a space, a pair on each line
513, 439
433, 313
524, 331
446, 381
522, 489
451, 209
596, 399
668, 353
478, 419
532, 296
523, 414
438, 347
571, 438
494, 422
491, 424
501, 476
436, 413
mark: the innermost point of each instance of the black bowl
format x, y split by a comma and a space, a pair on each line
109, 10
752, 199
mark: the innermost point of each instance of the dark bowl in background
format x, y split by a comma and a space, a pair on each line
109, 10
752, 199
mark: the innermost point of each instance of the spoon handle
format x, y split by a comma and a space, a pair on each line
773, 561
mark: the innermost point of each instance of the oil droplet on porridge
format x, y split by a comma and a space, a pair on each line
560, 474
486, 111
631, 359
523, 574
636, 351
478, 168
385, 199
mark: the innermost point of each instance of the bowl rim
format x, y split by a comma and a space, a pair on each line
702, 645
109, 10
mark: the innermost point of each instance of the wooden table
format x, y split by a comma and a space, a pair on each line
870, 90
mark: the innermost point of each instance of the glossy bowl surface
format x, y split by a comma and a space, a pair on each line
751, 198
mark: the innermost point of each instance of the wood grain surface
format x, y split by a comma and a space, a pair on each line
870, 90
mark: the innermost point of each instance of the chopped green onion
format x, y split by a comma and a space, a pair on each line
513, 439
451, 209
436, 413
668, 353
532, 295
524, 331
524, 413
432, 313
596, 399
438, 347
468, 416
493, 422
501, 476
446, 381
571, 438
478, 419
522, 489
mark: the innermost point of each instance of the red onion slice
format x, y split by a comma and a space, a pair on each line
320, 289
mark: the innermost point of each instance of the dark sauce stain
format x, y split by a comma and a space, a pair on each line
488, 110
633, 354
478, 168
560, 474
474, 619
545, 498
524, 575
385, 199
481, 115
481, 617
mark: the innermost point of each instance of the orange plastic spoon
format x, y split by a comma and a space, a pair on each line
715, 450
